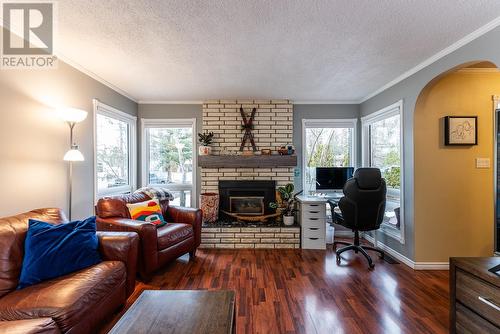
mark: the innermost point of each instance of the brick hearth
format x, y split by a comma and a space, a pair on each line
250, 237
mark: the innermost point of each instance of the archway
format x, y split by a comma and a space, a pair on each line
453, 199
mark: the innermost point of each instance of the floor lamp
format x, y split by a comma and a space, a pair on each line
72, 116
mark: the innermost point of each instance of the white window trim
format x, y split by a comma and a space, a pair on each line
351, 123
109, 111
366, 121
169, 122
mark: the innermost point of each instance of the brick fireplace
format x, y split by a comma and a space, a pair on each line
273, 128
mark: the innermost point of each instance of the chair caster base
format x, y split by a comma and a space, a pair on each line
357, 248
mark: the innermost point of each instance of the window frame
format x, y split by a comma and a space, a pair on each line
308, 123
165, 123
366, 121
131, 121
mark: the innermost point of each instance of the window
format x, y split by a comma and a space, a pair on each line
382, 148
114, 138
169, 157
326, 143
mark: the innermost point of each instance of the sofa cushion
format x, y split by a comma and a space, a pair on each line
173, 233
12, 234
30, 326
55, 250
66, 299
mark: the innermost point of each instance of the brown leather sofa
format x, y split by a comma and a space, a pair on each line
157, 246
77, 302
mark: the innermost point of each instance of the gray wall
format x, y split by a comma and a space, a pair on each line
484, 48
300, 111
33, 140
319, 111
166, 111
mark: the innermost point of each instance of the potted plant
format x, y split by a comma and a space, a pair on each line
205, 140
286, 204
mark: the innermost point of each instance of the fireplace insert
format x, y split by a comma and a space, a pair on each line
248, 197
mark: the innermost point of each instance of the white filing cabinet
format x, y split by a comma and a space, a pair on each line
312, 222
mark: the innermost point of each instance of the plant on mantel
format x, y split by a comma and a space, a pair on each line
205, 140
286, 204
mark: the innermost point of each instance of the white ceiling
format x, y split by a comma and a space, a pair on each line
328, 50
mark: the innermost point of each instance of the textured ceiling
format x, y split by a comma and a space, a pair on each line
302, 50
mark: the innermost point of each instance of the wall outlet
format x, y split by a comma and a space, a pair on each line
482, 162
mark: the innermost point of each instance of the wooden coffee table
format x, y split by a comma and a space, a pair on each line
179, 311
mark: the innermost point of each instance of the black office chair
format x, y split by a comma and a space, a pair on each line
362, 207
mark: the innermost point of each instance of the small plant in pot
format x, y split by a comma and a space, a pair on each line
205, 140
286, 204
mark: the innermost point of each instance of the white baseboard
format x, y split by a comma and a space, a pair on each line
431, 266
410, 263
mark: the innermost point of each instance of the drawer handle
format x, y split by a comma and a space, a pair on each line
313, 205
314, 228
313, 211
489, 303
314, 238
313, 218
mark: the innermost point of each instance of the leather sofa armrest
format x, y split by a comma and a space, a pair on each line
148, 238
121, 246
30, 326
177, 214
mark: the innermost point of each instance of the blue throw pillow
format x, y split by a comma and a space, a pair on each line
54, 250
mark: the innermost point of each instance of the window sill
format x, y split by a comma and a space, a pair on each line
392, 232
114, 192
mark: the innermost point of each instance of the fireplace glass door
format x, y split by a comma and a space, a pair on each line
250, 206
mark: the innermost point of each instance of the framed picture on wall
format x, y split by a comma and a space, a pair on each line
460, 130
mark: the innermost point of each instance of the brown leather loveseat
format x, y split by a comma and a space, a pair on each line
157, 246
73, 303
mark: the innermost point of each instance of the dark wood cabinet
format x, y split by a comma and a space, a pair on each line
474, 295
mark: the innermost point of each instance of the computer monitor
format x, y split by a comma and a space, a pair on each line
332, 178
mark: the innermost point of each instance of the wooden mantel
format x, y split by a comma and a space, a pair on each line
246, 161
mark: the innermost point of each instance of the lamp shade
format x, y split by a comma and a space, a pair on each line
72, 115
74, 154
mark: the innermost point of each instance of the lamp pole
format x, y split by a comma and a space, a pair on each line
72, 116
71, 126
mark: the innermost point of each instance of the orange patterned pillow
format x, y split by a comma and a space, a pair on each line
147, 211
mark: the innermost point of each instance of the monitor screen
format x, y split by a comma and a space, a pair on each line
332, 178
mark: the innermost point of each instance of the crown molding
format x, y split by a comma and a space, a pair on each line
94, 76
292, 102
326, 102
455, 46
169, 102
82, 69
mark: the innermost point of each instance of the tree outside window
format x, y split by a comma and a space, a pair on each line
171, 161
326, 147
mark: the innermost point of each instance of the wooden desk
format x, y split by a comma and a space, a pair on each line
179, 311
474, 295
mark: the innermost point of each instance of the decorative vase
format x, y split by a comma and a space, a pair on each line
288, 220
204, 150
209, 203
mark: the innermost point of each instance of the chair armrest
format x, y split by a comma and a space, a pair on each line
177, 214
148, 238
121, 246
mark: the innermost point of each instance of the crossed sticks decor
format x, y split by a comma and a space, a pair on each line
247, 126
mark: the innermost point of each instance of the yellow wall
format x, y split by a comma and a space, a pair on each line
454, 200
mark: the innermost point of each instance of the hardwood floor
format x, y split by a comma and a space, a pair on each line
305, 291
